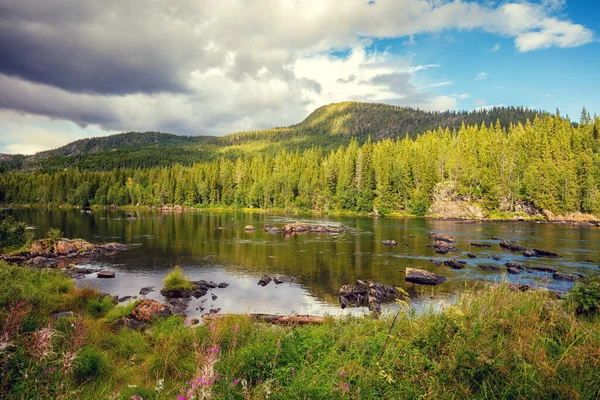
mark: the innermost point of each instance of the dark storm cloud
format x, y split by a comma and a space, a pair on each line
82, 47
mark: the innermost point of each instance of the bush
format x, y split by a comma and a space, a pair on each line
176, 280
54, 235
13, 234
585, 298
90, 364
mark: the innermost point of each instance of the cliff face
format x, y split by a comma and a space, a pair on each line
447, 204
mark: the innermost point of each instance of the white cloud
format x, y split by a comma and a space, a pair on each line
204, 67
495, 48
481, 76
461, 96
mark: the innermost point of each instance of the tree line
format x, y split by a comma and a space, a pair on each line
548, 162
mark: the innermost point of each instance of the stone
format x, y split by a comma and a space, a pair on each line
455, 264
566, 277
471, 255
264, 281
147, 310
511, 246
423, 277
106, 273
279, 279
391, 243
145, 290
488, 267
442, 247
441, 237
222, 285
249, 228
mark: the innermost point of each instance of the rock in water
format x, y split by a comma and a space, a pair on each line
455, 264
389, 243
371, 295
145, 290
423, 277
264, 281
249, 228
444, 247
539, 253
512, 270
441, 237
471, 255
566, 277
488, 267
511, 246
106, 273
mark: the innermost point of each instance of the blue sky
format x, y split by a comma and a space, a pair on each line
198, 67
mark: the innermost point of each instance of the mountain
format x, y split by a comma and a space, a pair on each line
327, 127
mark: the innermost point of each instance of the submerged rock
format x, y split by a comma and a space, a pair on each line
495, 257
511, 246
488, 267
423, 277
471, 255
539, 253
455, 264
145, 290
543, 268
513, 270
566, 277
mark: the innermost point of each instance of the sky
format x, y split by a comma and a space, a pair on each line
71, 69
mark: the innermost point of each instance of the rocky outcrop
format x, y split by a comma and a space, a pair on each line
46, 253
423, 277
448, 204
370, 294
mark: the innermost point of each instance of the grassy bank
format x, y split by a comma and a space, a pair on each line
494, 343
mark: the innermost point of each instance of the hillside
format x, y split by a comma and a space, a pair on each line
328, 127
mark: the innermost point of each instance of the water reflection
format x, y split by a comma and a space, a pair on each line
214, 246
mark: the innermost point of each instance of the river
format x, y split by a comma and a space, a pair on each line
214, 246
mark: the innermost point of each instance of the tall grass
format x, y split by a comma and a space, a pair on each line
176, 280
493, 343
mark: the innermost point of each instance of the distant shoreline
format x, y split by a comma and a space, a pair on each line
581, 220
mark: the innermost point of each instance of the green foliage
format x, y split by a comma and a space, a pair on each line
585, 299
99, 306
54, 235
176, 280
13, 234
546, 162
90, 364
118, 312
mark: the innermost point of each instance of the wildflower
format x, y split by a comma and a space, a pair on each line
235, 382
292, 370
342, 373
136, 397
214, 350
213, 327
42, 345
181, 397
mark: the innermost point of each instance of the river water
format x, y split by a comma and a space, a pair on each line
214, 246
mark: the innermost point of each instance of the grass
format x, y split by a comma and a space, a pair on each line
176, 280
493, 343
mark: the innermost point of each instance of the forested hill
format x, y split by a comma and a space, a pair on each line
327, 128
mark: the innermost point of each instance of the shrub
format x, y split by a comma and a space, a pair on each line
585, 298
54, 235
176, 280
13, 234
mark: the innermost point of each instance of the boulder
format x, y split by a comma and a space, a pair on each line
442, 247
389, 243
249, 228
441, 237
147, 310
222, 285
272, 229
371, 295
455, 264
423, 277
471, 255
495, 257
106, 273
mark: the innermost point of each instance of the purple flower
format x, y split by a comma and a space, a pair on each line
181, 398
213, 327
235, 382
342, 373
214, 350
